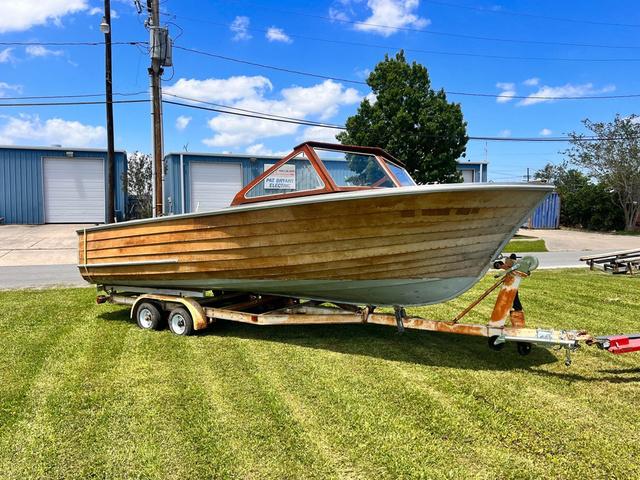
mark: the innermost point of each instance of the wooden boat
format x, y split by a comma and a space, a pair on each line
328, 222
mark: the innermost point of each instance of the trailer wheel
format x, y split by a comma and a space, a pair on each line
148, 316
180, 321
495, 346
524, 348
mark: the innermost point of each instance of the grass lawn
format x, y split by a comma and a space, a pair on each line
523, 246
85, 393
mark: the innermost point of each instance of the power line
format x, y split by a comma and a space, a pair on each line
442, 33
68, 44
260, 116
81, 95
532, 15
360, 82
49, 104
328, 77
219, 105
266, 116
417, 50
270, 67
282, 119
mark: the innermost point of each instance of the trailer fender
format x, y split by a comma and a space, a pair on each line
192, 306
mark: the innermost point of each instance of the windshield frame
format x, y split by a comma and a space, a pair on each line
330, 186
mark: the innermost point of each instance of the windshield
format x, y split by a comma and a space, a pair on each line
349, 169
295, 175
401, 174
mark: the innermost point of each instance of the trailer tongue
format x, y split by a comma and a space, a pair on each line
195, 310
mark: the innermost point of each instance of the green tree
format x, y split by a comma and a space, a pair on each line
583, 203
411, 121
137, 179
613, 159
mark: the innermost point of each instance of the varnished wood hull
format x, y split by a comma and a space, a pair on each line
412, 245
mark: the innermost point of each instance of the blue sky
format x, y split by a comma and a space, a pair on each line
324, 38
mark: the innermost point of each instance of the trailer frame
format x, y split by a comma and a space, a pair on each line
193, 310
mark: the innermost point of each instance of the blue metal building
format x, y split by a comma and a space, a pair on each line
473, 171
205, 181
58, 185
547, 213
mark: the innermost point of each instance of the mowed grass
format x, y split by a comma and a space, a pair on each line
524, 246
84, 393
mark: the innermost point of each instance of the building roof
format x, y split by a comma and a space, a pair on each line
62, 149
471, 162
227, 155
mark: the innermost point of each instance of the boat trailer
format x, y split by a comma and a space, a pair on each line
187, 311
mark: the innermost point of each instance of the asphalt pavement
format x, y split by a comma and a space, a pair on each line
40, 276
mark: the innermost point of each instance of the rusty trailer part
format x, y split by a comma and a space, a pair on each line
197, 312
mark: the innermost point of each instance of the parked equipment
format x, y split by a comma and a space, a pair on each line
190, 311
624, 261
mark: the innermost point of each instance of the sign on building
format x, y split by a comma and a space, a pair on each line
284, 178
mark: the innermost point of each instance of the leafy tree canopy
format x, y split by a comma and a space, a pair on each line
411, 121
583, 203
613, 159
138, 182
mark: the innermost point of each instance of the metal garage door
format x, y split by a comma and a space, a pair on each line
74, 190
467, 176
213, 185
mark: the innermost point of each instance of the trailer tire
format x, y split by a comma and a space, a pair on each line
148, 316
180, 321
524, 348
495, 346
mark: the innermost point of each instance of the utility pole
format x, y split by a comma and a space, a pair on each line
158, 54
105, 27
528, 176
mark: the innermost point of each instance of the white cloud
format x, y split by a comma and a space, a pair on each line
507, 93
322, 99
545, 132
182, 122
275, 34
260, 150
240, 27
563, 91
221, 90
31, 130
504, 133
100, 11
8, 87
364, 73
320, 134
531, 82
40, 51
391, 13
319, 101
338, 15
19, 15
371, 97
5, 55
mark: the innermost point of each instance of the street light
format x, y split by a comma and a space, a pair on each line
104, 25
